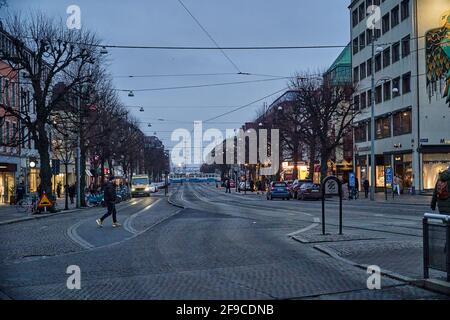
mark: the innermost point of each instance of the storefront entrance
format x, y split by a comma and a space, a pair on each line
7, 182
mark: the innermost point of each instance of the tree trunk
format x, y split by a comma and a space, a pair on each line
323, 165
83, 177
45, 173
312, 161
295, 158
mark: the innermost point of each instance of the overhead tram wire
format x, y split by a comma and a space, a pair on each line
210, 37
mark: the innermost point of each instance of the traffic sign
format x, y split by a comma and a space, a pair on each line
352, 181
44, 201
389, 178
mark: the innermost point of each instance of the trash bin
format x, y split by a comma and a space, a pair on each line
436, 240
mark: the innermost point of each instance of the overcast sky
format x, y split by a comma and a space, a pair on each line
231, 23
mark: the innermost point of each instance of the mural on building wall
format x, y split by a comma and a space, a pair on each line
438, 58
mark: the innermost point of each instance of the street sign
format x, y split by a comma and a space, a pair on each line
352, 181
389, 176
331, 187
44, 201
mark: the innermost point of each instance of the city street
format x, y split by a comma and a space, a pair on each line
219, 246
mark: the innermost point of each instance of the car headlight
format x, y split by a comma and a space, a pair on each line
133, 189
147, 189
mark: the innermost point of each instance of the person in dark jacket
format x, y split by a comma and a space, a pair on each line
366, 186
110, 197
72, 192
228, 185
441, 196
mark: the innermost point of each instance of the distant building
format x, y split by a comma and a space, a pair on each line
412, 133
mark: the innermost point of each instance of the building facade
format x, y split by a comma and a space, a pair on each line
411, 66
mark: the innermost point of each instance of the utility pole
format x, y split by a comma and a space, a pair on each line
372, 127
79, 154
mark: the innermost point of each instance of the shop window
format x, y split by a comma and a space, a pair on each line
433, 165
402, 123
383, 128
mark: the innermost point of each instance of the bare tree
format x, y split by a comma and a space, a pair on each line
48, 53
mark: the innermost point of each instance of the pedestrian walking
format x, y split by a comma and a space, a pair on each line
252, 185
20, 192
72, 191
258, 186
441, 194
58, 189
366, 187
110, 196
396, 185
228, 186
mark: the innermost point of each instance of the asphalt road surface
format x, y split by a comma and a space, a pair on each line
219, 246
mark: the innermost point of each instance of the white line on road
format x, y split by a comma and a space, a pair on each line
312, 226
128, 222
75, 237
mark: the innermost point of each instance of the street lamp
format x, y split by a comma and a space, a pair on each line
103, 51
131, 94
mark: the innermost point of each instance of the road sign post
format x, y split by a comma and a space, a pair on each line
44, 202
388, 179
331, 186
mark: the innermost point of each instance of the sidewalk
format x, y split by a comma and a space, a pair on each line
10, 213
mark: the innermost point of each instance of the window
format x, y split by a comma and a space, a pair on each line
378, 94
378, 62
369, 67
355, 75
406, 83
376, 2
395, 52
386, 57
368, 3
369, 36
13, 95
363, 100
355, 17
1, 90
377, 33
395, 16
362, 41
362, 11
369, 97
406, 46
360, 133
385, 23
355, 46
387, 91
405, 9
6, 93
383, 128
396, 85
14, 133
7, 133
362, 70
356, 102
402, 123
369, 130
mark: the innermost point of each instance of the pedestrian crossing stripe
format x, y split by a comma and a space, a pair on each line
44, 202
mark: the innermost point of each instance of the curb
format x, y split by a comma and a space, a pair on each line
384, 272
36, 217
171, 202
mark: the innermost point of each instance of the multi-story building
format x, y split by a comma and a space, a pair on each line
411, 70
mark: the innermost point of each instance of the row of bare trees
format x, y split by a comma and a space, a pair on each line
314, 121
74, 100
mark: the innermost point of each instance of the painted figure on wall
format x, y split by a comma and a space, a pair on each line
438, 58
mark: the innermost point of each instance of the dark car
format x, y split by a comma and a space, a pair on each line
278, 190
296, 186
309, 190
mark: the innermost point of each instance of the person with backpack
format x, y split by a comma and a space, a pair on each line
441, 195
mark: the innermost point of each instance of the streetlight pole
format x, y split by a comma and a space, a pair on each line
79, 154
372, 128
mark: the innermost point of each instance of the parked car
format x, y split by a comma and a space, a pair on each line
244, 186
278, 190
296, 186
309, 191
